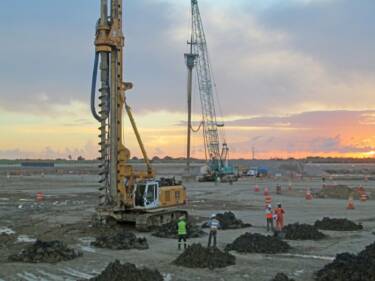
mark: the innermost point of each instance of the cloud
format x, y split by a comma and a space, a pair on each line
287, 56
336, 33
308, 120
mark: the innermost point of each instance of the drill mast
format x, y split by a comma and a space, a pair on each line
117, 176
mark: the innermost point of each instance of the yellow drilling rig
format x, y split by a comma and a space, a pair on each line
126, 194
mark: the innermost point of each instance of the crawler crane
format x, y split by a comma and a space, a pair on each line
216, 150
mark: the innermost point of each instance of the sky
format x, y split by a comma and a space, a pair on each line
294, 78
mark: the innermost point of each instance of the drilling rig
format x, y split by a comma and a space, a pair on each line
127, 195
217, 156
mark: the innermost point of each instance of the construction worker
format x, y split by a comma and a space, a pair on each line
214, 225
269, 217
279, 212
182, 231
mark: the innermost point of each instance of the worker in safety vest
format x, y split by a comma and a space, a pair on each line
269, 217
182, 232
279, 212
214, 225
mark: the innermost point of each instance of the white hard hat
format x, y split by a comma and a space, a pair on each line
213, 215
269, 206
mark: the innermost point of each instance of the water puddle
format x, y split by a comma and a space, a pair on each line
6, 230
314, 257
25, 239
85, 244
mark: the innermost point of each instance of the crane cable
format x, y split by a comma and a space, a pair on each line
198, 129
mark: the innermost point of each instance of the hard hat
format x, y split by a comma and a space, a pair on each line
269, 206
213, 215
182, 217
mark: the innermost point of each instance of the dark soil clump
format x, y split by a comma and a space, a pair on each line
6, 240
127, 272
337, 225
351, 267
121, 241
257, 243
281, 277
169, 230
228, 220
298, 231
197, 256
48, 252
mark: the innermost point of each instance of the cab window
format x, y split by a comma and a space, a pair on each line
139, 194
151, 190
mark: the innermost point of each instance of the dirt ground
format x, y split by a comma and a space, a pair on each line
70, 200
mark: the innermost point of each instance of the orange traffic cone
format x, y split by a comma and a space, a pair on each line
361, 190
268, 200
308, 195
350, 205
363, 197
266, 191
39, 196
256, 189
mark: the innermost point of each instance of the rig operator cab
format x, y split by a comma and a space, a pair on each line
150, 195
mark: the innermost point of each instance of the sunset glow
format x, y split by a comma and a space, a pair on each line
287, 86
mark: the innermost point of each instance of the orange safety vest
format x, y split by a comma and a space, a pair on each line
269, 214
279, 213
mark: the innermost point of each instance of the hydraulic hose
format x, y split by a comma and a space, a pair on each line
93, 87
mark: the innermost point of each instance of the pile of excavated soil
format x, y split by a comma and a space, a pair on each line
49, 252
120, 241
257, 243
337, 224
298, 231
281, 277
336, 192
169, 230
351, 267
197, 256
127, 272
228, 220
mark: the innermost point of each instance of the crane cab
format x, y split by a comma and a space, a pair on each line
146, 195
150, 195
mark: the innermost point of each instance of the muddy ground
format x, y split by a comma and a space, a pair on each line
70, 201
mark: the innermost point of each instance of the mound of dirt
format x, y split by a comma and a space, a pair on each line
169, 230
197, 256
337, 224
351, 267
298, 231
228, 220
257, 243
127, 272
336, 192
49, 252
281, 277
120, 241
